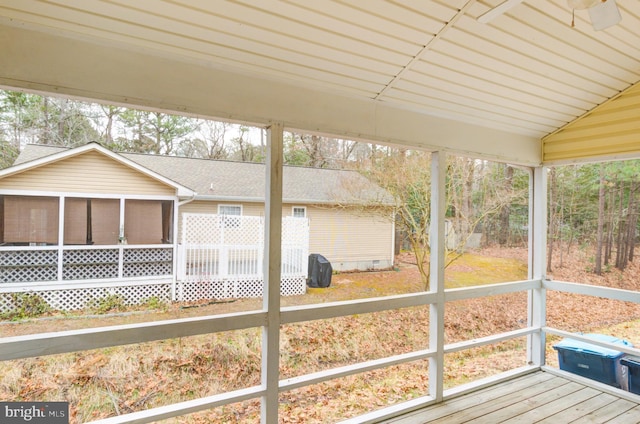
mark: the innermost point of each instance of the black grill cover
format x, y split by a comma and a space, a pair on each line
319, 271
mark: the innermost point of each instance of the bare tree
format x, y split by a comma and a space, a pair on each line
553, 222
243, 148
601, 219
111, 114
209, 141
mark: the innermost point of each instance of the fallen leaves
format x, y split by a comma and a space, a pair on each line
113, 381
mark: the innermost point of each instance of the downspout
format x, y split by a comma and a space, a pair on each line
184, 202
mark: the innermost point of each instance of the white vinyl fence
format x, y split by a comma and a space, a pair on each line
221, 256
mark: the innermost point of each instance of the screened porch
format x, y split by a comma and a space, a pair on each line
52, 243
535, 86
531, 388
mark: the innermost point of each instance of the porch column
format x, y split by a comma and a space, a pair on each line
537, 299
436, 273
61, 238
121, 234
271, 272
176, 253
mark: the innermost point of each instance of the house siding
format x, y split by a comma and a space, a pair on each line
89, 172
350, 240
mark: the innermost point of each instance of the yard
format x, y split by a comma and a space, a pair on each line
120, 380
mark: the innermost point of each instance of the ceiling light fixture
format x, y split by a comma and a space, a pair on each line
603, 13
582, 4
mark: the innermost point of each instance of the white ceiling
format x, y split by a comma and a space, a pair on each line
526, 73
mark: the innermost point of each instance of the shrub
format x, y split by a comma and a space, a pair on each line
154, 302
110, 303
27, 305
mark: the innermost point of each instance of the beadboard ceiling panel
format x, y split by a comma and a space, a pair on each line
512, 82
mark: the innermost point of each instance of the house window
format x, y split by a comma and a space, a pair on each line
29, 220
299, 212
91, 221
230, 214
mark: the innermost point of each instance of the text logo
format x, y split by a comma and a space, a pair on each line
34, 412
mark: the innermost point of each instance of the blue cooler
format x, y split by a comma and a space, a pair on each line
633, 365
595, 362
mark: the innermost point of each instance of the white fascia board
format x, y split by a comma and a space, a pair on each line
39, 61
114, 195
181, 191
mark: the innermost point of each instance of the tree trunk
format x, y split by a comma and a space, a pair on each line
633, 220
467, 203
552, 217
621, 225
504, 231
609, 224
600, 231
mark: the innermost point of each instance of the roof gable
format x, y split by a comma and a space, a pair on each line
33, 158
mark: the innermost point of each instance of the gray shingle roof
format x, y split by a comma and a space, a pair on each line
245, 181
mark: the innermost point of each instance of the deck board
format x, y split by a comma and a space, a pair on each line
606, 413
630, 416
541, 397
479, 398
524, 405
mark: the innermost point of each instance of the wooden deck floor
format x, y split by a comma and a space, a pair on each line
541, 397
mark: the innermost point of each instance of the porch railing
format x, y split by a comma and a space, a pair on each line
60, 264
79, 340
70, 277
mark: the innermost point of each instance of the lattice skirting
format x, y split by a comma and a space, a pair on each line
77, 298
68, 299
190, 291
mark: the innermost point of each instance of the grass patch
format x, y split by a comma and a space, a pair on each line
473, 270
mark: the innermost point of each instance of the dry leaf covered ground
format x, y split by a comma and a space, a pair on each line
114, 381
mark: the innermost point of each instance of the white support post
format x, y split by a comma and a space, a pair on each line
393, 241
174, 241
61, 238
537, 300
272, 270
121, 233
436, 273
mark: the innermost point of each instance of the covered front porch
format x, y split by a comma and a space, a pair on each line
526, 89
